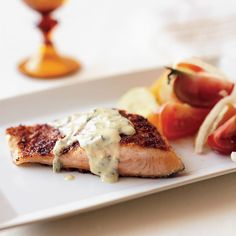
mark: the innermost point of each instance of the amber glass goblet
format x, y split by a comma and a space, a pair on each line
47, 62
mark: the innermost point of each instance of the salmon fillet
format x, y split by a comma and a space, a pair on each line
144, 154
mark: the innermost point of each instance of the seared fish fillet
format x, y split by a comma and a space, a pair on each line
144, 154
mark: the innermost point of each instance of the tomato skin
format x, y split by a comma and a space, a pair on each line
163, 91
189, 66
214, 146
199, 89
231, 111
223, 139
177, 120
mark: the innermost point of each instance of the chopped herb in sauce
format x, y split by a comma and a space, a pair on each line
98, 133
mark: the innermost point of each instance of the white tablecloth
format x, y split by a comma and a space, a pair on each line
109, 37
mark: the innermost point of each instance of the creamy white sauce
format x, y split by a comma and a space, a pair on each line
69, 177
98, 133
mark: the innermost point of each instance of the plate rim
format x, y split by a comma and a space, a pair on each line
63, 211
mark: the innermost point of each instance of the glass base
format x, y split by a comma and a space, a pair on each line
47, 64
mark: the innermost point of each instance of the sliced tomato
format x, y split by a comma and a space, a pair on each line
199, 89
223, 139
177, 120
163, 91
231, 111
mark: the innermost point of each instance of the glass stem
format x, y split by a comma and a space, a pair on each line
46, 25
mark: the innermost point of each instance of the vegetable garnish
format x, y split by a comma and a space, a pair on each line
177, 120
206, 127
223, 139
163, 91
199, 89
193, 97
197, 65
226, 113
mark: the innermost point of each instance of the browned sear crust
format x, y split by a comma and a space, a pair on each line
144, 154
35, 139
146, 134
41, 139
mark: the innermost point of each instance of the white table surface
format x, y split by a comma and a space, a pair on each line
110, 37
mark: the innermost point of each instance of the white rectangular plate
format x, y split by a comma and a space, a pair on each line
33, 193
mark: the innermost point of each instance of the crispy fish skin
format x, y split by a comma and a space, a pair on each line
144, 154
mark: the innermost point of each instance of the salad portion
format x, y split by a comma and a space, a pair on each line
191, 98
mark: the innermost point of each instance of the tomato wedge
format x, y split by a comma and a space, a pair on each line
231, 111
223, 139
163, 91
177, 120
199, 89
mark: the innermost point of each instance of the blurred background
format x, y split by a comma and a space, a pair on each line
111, 37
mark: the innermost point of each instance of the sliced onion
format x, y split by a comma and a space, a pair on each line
218, 119
207, 126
